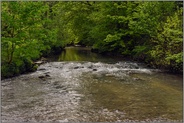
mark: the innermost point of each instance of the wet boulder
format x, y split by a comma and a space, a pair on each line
76, 67
41, 69
94, 69
41, 61
44, 76
41, 77
47, 75
38, 62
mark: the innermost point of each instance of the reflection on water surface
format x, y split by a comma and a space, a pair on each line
92, 88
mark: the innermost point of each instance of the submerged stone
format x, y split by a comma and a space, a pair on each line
41, 69
76, 67
41, 77
94, 69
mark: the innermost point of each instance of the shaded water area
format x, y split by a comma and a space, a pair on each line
81, 86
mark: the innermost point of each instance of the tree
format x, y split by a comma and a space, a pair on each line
26, 34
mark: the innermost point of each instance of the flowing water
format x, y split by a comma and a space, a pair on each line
80, 86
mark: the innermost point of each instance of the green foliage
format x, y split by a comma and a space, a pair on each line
28, 32
140, 52
8, 70
169, 43
150, 31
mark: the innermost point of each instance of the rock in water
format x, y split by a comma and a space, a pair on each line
76, 67
94, 69
41, 77
38, 62
47, 75
42, 60
41, 69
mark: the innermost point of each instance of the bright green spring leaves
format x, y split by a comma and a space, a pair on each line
149, 31
160, 26
169, 48
27, 33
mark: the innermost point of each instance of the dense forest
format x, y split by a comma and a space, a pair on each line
148, 31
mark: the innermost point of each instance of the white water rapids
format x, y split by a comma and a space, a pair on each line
84, 92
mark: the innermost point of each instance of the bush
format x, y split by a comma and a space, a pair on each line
9, 70
17, 67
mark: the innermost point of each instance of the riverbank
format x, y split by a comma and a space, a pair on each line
24, 65
146, 59
11, 70
82, 86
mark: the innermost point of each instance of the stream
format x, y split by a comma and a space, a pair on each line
81, 86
